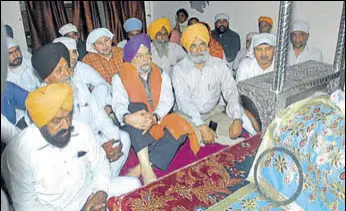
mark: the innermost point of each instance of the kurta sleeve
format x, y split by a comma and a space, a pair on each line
166, 97
120, 99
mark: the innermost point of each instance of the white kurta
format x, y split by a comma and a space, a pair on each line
121, 101
40, 176
249, 68
198, 92
87, 75
176, 53
309, 53
25, 77
8, 130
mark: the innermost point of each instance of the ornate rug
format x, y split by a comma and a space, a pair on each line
197, 186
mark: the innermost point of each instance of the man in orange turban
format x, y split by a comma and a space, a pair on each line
265, 24
165, 54
209, 80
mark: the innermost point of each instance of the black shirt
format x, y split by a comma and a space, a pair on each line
230, 42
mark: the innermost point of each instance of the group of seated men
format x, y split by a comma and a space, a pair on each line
70, 122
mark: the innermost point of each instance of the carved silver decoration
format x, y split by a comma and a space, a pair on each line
302, 81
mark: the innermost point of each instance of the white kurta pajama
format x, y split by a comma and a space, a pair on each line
198, 93
40, 176
175, 54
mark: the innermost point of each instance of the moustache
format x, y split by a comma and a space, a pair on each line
65, 131
264, 58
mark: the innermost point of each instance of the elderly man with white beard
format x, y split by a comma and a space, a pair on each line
198, 98
164, 53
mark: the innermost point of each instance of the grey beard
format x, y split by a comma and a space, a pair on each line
161, 47
198, 58
142, 71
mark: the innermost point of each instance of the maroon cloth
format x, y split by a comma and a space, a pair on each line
183, 158
45, 19
85, 17
132, 46
117, 12
196, 186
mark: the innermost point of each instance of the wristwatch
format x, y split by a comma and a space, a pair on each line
157, 117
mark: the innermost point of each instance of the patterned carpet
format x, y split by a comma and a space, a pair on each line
197, 186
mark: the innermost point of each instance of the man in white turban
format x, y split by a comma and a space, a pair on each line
299, 51
106, 59
243, 53
264, 51
70, 30
20, 72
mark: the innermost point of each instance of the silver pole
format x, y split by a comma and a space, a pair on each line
282, 45
340, 46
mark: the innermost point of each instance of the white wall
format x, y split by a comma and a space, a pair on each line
323, 16
11, 15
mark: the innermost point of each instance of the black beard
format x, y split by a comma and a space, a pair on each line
58, 140
16, 62
222, 29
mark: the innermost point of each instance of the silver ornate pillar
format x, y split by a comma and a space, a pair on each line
282, 45
339, 57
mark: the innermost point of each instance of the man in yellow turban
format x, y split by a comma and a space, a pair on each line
165, 54
209, 79
53, 165
50, 109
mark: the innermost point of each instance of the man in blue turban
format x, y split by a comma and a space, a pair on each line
132, 27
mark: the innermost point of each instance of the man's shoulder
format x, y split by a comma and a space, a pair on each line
185, 63
233, 33
174, 45
28, 140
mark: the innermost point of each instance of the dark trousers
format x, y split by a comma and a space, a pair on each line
161, 152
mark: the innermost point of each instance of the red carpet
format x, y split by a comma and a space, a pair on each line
195, 186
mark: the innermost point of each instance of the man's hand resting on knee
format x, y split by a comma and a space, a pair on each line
208, 135
235, 129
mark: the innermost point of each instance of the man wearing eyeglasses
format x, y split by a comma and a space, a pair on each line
142, 100
164, 53
209, 80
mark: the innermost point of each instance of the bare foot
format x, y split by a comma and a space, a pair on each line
135, 171
148, 175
